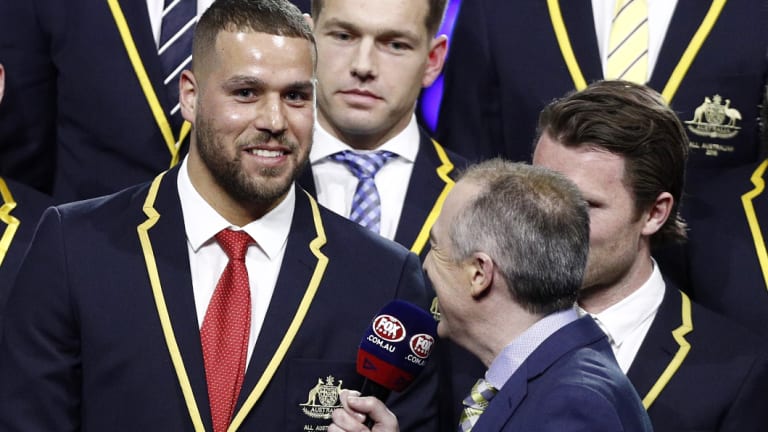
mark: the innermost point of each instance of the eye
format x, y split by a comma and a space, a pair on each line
296, 97
244, 94
341, 36
398, 46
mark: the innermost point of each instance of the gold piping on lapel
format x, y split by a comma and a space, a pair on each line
165, 320
679, 334
298, 319
677, 75
565, 44
693, 49
754, 225
442, 172
12, 223
174, 146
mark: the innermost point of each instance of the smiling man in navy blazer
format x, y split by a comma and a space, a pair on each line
626, 150
507, 257
104, 330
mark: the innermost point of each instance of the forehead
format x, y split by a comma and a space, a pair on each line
594, 171
271, 57
382, 15
458, 198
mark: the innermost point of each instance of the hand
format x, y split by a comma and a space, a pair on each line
355, 409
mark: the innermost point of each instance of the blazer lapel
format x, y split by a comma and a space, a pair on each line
755, 206
577, 16
686, 20
168, 242
659, 350
429, 179
296, 271
307, 180
507, 401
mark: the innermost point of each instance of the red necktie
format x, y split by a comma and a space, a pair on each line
224, 334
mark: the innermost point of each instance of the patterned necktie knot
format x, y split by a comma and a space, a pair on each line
366, 203
363, 165
234, 243
474, 404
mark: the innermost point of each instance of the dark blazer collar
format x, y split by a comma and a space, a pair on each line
577, 16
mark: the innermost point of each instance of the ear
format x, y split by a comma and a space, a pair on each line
480, 269
435, 60
310, 21
188, 93
657, 215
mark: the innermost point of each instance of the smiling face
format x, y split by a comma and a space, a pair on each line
374, 56
251, 104
618, 241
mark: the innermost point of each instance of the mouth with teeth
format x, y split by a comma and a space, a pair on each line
266, 153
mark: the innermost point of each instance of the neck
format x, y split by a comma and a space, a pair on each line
599, 297
366, 139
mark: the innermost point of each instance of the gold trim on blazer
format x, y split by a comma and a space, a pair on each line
165, 320
12, 223
174, 146
679, 334
442, 172
754, 224
677, 75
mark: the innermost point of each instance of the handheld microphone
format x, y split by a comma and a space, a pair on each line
395, 348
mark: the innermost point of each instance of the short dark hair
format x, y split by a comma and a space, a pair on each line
634, 122
276, 17
534, 224
432, 22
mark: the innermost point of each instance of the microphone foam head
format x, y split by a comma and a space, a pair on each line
395, 348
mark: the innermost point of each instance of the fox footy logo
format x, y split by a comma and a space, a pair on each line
421, 345
389, 328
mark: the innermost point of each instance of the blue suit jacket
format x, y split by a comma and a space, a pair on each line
88, 345
571, 382
74, 97
505, 64
697, 371
720, 266
20, 210
434, 172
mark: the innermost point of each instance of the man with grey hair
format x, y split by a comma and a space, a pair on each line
507, 257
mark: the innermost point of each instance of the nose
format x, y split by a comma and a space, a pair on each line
270, 116
364, 63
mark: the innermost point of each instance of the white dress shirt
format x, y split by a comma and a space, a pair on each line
155, 9
335, 183
627, 322
659, 16
207, 259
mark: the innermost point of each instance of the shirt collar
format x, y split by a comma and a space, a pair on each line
324, 144
621, 319
202, 222
514, 354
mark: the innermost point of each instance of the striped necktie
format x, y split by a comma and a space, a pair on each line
175, 48
475, 404
366, 204
628, 43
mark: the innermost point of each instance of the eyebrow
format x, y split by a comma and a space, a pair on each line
387, 34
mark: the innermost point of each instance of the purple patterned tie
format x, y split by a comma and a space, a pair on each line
366, 204
175, 49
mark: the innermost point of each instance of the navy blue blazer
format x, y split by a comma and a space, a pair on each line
102, 332
571, 382
20, 210
697, 371
724, 264
505, 64
94, 120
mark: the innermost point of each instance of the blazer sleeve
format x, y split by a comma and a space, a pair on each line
470, 111
28, 110
40, 367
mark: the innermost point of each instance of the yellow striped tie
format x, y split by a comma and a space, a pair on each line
628, 44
